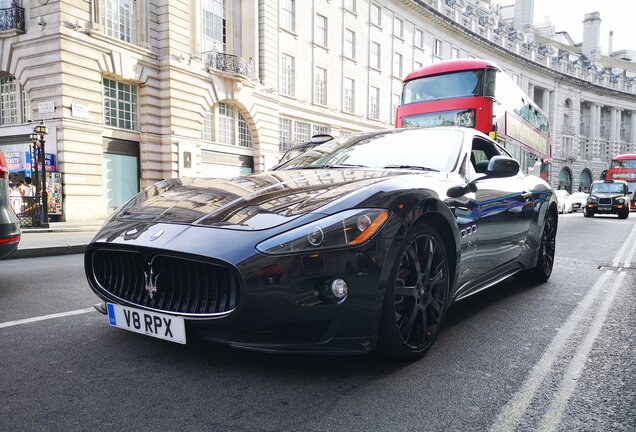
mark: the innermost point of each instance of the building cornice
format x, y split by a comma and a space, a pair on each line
455, 27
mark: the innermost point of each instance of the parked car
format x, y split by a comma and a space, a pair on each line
303, 147
362, 242
608, 197
579, 199
564, 201
9, 226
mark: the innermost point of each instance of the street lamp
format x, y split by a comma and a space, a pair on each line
39, 132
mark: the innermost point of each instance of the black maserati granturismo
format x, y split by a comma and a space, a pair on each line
360, 243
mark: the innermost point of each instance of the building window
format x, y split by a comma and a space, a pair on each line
321, 130
214, 36
515, 78
287, 75
320, 35
8, 101
395, 102
374, 61
119, 19
455, 53
350, 5
349, 94
397, 65
301, 131
376, 15
437, 51
120, 104
419, 38
208, 126
288, 15
284, 135
320, 86
374, 103
398, 27
244, 135
349, 44
230, 124
226, 123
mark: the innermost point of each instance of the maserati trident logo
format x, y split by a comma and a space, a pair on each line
150, 283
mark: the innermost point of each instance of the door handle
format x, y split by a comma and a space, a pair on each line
526, 196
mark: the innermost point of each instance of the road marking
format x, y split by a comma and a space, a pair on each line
512, 412
567, 386
628, 260
45, 317
629, 241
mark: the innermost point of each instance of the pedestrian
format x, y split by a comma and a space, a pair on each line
26, 189
15, 198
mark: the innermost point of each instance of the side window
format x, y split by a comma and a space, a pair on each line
481, 153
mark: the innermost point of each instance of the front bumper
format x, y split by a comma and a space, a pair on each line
606, 208
283, 303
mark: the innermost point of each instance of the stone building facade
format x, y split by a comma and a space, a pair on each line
135, 91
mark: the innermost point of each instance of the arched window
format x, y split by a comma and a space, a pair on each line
225, 124
565, 179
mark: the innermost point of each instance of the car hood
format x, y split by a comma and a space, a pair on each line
253, 202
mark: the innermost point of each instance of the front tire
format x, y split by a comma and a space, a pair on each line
417, 298
543, 269
587, 213
624, 214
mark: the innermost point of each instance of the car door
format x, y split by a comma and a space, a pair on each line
504, 211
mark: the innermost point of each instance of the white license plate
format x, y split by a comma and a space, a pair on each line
604, 208
162, 326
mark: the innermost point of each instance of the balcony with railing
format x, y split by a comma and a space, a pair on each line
229, 63
12, 18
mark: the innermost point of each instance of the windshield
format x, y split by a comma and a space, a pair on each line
424, 149
607, 188
452, 85
626, 163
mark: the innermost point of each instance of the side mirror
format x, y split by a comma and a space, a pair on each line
502, 166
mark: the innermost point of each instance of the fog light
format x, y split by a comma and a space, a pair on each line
339, 288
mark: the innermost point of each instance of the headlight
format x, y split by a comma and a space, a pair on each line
591, 199
620, 201
348, 228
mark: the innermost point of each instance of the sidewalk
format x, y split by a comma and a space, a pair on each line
61, 238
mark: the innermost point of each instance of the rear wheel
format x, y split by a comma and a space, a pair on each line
542, 271
416, 301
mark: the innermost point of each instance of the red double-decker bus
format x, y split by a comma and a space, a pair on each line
623, 167
478, 94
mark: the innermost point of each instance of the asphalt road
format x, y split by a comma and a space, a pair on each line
558, 356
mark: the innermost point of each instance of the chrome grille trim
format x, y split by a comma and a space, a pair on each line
185, 286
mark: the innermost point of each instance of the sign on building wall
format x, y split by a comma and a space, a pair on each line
46, 107
79, 110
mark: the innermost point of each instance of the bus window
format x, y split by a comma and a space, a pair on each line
446, 86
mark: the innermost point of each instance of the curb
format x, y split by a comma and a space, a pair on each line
47, 251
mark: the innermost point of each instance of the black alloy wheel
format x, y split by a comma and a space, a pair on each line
416, 302
545, 262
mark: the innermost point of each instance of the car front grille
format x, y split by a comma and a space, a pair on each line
604, 200
165, 283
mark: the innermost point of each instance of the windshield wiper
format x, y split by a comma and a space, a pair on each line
343, 166
413, 167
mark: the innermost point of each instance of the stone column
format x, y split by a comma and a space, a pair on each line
632, 133
612, 126
196, 12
